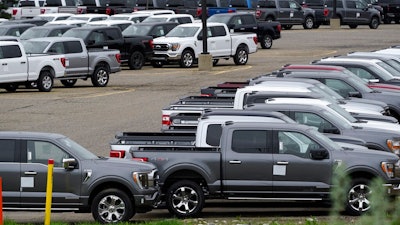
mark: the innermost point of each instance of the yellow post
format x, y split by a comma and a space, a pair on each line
49, 191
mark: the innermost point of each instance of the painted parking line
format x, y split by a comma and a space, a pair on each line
96, 95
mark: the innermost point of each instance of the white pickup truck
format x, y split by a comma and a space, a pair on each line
16, 68
26, 9
184, 44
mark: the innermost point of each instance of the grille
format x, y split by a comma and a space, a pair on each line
161, 47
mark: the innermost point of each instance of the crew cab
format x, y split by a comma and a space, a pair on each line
82, 181
297, 163
246, 22
62, 6
96, 64
287, 12
184, 43
26, 9
134, 50
19, 69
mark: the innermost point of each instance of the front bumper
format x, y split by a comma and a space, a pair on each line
146, 202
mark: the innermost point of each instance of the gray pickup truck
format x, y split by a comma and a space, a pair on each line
297, 164
82, 63
112, 189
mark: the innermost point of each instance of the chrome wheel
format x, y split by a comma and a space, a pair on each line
111, 208
100, 77
358, 198
185, 200
187, 59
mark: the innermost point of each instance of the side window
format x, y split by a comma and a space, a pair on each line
70, 2
41, 152
158, 31
283, 4
251, 141
340, 87
294, 5
313, 120
56, 33
294, 143
362, 73
269, 4
218, 31
184, 20
248, 19
14, 32
7, 150
73, 47
111, 34
96, 37
237, 20
339, 4
11, 51
57, 48
214, 135
350, 4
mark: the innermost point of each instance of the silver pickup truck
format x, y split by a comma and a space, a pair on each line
96, 64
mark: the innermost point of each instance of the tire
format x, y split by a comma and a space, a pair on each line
374, 24
241, 56
45, 82
112, 206
187, 59
266, 41
215, 62
269, 19
185, 199
69, 82
287, 27
357, 197
157, 64
136, 60
11, 87
316, 26
353, 26
308, 22
100, 76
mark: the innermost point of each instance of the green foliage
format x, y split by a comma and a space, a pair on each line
341, 183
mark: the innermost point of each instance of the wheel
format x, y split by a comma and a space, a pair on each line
374, 24
308, 22
11, 87
45, 81
69, 82
316, 26
287, 27
185, 199
100, 76
241, 56
136, 61
112, 206
215, 62
266, 41
269, 19
187, 59
358, 201
157, 64
353, 26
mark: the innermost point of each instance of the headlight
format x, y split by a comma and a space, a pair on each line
141, 179
175, 46
388, 169
394, 145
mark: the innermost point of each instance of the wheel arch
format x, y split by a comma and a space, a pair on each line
100, 186
50, 69
194, 174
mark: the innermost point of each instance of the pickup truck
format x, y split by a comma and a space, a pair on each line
194, 7
62, 6
20, 69
391, 10
26, 9
134, 50
298, 164
82, 181
287, 12
184, 43
96, 64
111, 7
266, 31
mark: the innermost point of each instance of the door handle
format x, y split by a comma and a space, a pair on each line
23, 62
30, 173
235, 162
4, 64
282, 163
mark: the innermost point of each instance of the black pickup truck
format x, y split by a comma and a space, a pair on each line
134, 50
111, 7
266, 31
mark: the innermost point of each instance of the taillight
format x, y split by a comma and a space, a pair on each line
63, 61
206, 95
279, 27
79, 11
255, 39
326, 12
151, 44
42, 11
165, 120
198, 12
14, 11
117, 154
118, 57
231, 11
141, 159
108, 11
258, 14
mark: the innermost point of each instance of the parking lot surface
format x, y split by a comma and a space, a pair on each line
133, 99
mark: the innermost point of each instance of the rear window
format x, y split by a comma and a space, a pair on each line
10, 51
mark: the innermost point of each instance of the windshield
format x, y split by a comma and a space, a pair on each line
388, 68
219, 19
136, 30
183, 32
3, 30
152, 19
343, 113
33, 33
78, 18
329, 91
77, 149
323, 93
324, 138
47, 18
337, 119
359, 84
76, 33
35, 47
395, 64
118, 18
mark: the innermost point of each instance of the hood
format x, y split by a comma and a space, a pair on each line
167, 40
358, 107
119, 164
379, 125
355, 154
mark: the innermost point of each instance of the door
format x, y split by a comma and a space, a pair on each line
10, 168
66, 183
295, 173
296, 13
219, 41
285, 13
247, 164
13, 65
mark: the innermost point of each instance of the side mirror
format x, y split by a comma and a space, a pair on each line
69, 163
91, 42
355, 94
199, 37
319, 154
331, 130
